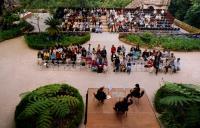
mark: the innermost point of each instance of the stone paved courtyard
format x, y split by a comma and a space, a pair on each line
20, 73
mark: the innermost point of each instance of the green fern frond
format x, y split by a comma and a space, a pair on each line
175, 100
64, 105
182, 89
168, 120
193, 116
34, 108
44, 120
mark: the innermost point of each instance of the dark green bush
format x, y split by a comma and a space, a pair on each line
146, 37
175, 43
50, 106
179, 105
15, 31
42, 40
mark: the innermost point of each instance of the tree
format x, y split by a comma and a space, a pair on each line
54, 28
186, 10
1, 7
179, 8
193, 16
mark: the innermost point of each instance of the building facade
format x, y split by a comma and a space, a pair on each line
145, 4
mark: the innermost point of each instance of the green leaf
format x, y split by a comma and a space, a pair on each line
175, 100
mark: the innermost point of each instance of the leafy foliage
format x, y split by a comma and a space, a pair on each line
50, 106
178, 105
42, 40
53, 29
74, 3
175, 43
186, 10
15, 30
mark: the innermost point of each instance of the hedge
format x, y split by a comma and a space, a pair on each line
170, 42
41, 40
50, 106
15, 31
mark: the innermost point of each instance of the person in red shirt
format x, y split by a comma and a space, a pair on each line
113, 49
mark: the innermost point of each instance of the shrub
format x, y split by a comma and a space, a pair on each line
178, 105
50, 106
15, 31
175, 43
42, 40
38, 4
146, 37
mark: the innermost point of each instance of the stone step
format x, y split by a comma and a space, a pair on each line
103, 17
105, 30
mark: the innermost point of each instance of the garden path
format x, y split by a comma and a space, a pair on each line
20, 73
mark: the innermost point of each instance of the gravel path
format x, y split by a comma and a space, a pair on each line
20, 73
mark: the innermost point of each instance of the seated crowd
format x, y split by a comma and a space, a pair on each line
153, 60
134, 20
119, 20
96, 59
83, 20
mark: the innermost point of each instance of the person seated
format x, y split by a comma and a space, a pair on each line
46, 55
119, 49
53, 56
149, 63
94, 66
116, 64
136, 55
122, 67
169, 62
40, 57
135, 92
129, 66
145, 55
100, 95
122, 106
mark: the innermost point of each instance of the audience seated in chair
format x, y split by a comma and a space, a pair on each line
100, 95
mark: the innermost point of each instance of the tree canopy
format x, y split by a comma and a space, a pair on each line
187, 11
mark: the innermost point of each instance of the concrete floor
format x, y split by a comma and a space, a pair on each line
20, 73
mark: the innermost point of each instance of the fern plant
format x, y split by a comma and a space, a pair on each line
51, 106
179, 105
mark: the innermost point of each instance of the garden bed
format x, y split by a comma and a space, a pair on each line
168, 42
42, 40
